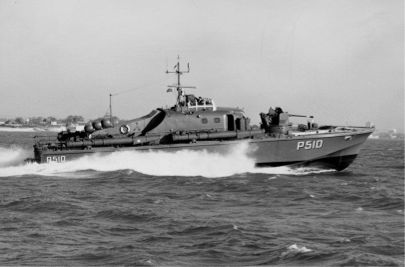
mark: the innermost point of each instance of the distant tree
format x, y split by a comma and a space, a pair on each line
36, 120
19, 120
50, 118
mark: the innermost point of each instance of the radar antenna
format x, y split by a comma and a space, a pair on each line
178, 86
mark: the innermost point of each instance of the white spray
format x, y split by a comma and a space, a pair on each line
159, 163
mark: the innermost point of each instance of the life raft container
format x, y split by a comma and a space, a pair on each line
124, 129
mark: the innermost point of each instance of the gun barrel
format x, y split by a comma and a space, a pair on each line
301, 116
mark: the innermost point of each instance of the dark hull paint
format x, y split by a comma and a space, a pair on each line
337, 163
329, 150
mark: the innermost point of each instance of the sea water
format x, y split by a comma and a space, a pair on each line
199, 208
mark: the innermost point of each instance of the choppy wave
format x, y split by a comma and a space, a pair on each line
118, 216
158, 163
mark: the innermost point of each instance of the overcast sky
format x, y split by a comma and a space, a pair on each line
341, 61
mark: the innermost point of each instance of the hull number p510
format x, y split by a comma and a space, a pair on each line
55, 159
310, 144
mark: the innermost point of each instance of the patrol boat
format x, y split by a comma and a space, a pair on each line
196, 123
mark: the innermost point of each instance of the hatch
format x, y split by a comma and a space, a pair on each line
230, 122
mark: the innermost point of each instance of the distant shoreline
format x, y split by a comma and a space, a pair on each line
31, 129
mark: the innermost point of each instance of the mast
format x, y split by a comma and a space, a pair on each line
178, 86
111, 114
111, 110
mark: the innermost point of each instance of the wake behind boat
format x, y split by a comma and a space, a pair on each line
196, 123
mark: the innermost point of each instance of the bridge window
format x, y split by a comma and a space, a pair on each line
217, 120
204, 120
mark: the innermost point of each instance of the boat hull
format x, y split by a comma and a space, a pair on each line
328, 151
